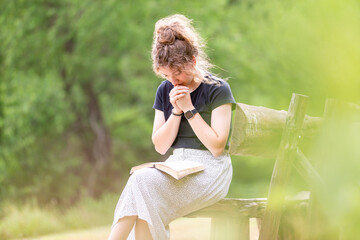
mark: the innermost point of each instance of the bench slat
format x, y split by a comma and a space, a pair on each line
240, 207
233, 207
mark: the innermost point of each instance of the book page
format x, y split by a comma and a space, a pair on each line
177, 169
179, 166
144, 165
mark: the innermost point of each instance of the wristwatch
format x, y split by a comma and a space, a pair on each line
189, 114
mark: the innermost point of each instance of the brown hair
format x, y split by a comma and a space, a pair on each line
174, 45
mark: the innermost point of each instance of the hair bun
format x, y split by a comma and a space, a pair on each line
176, 43
168, 36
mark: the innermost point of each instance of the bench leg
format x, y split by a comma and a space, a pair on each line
230, 228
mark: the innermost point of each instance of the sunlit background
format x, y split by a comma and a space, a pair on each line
77, 89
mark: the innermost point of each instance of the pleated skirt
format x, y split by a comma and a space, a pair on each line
158, 198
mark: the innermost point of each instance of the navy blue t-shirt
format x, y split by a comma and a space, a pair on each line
205, 98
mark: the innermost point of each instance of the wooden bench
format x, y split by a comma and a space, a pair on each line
264, 132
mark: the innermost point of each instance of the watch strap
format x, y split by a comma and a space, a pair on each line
176, 114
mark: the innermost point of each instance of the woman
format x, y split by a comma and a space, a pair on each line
193, 116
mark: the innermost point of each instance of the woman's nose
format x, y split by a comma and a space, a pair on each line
173, 80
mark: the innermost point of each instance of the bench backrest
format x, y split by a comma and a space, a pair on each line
257, 131
286, 136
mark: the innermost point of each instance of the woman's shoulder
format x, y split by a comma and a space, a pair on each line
218, 88
165, 86
214, 82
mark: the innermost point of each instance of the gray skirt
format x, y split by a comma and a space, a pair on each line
158, 198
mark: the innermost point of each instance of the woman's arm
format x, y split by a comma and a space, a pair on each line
164, 132
215, 137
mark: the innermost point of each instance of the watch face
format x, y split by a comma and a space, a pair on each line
188, 114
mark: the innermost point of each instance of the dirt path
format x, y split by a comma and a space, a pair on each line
181, 229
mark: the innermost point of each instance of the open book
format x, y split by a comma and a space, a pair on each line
178, 169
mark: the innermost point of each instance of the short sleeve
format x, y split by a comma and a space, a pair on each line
222, 95
159, 103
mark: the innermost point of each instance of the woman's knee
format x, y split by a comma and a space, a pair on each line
142, 230
122, 228
144, 176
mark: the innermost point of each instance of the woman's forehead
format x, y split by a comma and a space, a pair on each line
168, 70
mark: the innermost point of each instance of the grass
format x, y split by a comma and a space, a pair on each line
31, 220
28, 221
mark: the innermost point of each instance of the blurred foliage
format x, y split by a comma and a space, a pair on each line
76, 84
337, 155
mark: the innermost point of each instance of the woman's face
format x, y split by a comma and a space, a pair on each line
177, 77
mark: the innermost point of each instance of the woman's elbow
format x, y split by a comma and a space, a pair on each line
217, 152
158, 147
218, 148
160, 150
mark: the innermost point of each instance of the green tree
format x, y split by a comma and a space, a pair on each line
77, 84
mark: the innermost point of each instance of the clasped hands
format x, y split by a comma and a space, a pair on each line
180, 99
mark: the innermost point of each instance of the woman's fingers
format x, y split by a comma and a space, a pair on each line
177, 93
174, 98
180, 87
177, 97
183, 92
178, 90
